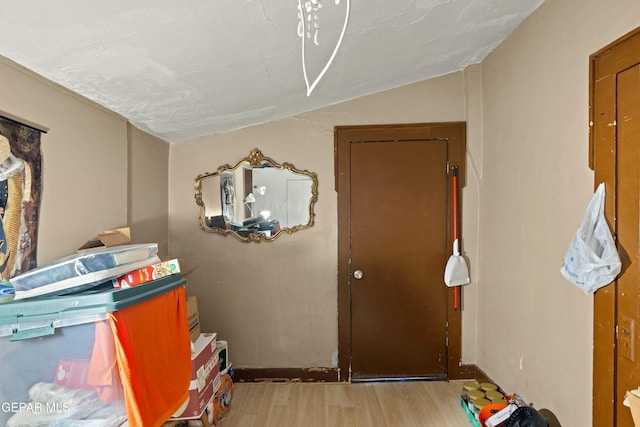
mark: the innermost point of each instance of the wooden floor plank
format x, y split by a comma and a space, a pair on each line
406, 404
310, 410
283, 405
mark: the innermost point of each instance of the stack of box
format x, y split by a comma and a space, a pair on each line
205, 377
212, 384
222, 397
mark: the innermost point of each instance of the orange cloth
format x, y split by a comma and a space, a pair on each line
153, 350
103, 370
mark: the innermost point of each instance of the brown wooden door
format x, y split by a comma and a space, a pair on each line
398, 242
615, 138
628, 190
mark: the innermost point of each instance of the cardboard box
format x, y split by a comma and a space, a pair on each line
222, 399
186, 269
147, 274
193, 318
632, 400
112, 237
205, 376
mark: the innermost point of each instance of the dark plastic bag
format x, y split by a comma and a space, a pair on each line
526, 416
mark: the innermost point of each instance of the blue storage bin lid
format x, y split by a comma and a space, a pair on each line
50, 309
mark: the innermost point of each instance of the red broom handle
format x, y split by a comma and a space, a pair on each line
455, 225
455, 202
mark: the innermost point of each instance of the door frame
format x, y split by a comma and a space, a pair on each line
602, 159
455, 133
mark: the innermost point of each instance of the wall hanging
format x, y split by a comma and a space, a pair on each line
20, 191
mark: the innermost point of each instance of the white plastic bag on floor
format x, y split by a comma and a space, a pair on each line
592, 260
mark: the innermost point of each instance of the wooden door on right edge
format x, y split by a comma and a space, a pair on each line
628, 214
616, 159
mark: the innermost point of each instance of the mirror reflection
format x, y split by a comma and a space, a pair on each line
256, 199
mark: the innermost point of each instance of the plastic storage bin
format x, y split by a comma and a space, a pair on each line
46, 348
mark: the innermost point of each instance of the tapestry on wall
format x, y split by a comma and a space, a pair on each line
20, 189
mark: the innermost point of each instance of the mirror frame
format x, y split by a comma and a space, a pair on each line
256, 158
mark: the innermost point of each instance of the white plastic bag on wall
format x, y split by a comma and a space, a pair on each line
592, 260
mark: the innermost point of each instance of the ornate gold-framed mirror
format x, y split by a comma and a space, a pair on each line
257, 199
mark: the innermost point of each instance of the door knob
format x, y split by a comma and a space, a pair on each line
357, 274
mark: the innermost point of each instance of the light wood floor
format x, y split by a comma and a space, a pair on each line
392, 404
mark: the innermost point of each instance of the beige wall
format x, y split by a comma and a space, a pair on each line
276, 303
89, 176
148, 213
84, 161
534, 328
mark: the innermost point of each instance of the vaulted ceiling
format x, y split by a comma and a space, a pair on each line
196, 67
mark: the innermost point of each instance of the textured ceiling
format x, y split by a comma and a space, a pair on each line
196, 67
